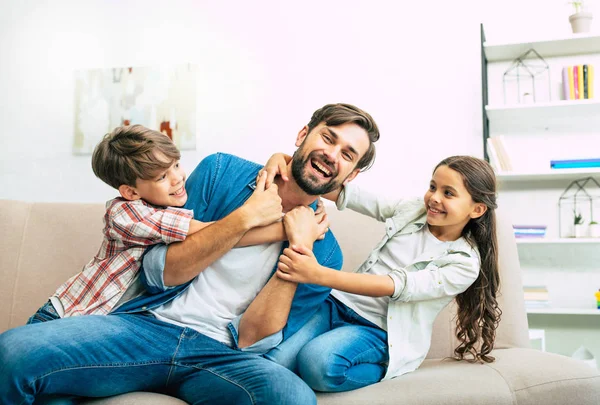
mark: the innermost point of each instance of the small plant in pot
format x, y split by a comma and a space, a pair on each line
578, 224
581, 20
594, 229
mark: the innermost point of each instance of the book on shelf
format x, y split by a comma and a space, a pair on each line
529, 231
493, 156
575, 163
497, 144
578, 82
536, 296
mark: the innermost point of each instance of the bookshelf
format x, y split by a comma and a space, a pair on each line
565, 46
555, 110
563, 311
557, 241
530, 135
565, 175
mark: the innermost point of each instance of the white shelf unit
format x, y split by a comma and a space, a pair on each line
549, 175
574, 45
532, 135
563, 311
555, 110
557, 241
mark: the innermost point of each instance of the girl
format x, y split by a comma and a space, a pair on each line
377, 322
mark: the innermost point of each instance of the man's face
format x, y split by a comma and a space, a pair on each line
327, 156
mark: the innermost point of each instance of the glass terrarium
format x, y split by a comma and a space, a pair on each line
527, 80
577, 206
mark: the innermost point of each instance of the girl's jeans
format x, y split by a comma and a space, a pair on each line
337, 350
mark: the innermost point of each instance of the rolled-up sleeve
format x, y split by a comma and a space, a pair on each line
448, 276
153, 268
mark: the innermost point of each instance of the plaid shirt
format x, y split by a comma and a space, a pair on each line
129, 228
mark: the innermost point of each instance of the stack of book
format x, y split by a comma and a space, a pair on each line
575, 163
578, 82
536, 296
497, 153
529, 231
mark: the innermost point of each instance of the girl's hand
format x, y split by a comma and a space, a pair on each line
322, 225
299, 265
276, 165
320, 207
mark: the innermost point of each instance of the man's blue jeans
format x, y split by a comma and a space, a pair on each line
98, 356
336, 350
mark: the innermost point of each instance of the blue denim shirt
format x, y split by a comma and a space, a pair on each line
220, 184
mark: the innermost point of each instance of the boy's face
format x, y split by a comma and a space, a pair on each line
165, 189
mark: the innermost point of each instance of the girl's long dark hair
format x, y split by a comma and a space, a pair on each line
478, 312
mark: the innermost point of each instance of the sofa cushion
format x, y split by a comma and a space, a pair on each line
137, 398
517, 377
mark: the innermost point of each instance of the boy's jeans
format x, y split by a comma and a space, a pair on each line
98, 356
336, 350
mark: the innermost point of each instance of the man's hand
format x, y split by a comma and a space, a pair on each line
299, 265
264, 205
303, 227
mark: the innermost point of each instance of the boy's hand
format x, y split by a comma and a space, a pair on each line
264, 205
299, 265
276, 165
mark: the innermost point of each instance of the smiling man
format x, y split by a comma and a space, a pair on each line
209, 311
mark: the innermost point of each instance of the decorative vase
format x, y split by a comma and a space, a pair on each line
579, 231
594, 230
581, 22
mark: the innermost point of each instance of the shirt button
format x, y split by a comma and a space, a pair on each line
390, 345
390, 317
144, 308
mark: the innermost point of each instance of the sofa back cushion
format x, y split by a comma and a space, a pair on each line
43, 245
46, 243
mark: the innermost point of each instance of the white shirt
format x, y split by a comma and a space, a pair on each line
423, 287
398, 252
222, 291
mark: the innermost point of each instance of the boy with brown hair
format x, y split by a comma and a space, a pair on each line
143, 165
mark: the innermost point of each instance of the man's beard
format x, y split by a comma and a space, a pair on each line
308, 182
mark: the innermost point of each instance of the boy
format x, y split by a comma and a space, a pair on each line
143, 165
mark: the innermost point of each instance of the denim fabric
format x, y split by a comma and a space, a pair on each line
220, 184
47, 312
337, 350
98, 356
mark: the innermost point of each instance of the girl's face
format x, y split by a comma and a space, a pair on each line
449, 204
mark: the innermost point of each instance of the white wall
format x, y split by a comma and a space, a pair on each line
265, 67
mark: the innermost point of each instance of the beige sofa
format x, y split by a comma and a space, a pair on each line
45, 243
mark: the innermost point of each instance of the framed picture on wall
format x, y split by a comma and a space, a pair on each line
161, 98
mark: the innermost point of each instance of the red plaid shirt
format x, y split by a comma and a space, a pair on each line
129, 228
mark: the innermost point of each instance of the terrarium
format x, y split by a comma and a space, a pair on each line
527, 80
577, 206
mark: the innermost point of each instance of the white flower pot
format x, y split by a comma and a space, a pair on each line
594, 231
581, 22
579, 231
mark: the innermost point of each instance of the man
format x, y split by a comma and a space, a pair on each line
197, 331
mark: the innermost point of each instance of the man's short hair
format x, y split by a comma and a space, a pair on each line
132, 152
338, 114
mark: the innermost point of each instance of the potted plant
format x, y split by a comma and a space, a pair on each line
581, 21
578, 224
594, 229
